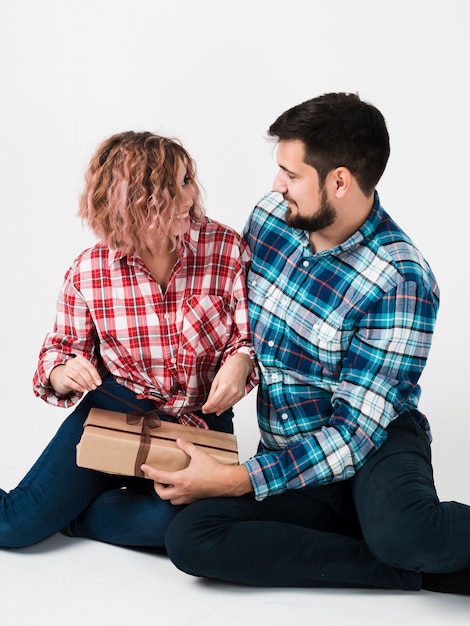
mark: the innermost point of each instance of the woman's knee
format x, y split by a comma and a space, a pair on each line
19, 533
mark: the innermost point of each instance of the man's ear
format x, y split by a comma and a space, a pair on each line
342, 179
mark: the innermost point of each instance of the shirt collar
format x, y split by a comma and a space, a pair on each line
367, 229
189, 243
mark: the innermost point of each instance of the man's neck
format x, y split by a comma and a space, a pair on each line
349, 220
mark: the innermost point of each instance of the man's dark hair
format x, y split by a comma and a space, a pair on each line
338, 129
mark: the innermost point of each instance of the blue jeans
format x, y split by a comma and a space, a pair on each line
381, 529
56, 493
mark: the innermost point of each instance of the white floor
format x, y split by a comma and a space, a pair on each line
80, 582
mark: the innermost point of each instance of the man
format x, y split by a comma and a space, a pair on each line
342, 310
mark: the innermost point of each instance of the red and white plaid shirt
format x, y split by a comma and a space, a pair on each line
163, 346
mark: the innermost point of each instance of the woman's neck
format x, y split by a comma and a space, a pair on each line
160, 265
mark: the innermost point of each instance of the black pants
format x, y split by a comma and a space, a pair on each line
380, 529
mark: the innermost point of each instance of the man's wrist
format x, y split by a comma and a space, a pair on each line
242, 483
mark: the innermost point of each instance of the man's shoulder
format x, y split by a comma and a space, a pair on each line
268, 214
402, 251
272, 203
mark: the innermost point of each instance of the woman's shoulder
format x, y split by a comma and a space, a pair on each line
213, 238
212, 227
96, 257
96, 251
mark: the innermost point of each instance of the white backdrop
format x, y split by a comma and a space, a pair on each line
216, 73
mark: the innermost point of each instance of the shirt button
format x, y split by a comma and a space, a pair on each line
271, 343
173, 360
167, 316
305, 263
275, 377
284, 416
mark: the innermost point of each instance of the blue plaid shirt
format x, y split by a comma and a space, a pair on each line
342, 337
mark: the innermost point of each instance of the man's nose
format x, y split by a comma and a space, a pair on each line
279, 183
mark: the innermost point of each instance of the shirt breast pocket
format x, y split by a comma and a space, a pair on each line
322, 333
207, 324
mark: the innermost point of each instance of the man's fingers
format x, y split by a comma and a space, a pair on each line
158, 476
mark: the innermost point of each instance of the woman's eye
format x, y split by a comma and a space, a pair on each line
186, 180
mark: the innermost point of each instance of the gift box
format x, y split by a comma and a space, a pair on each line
118, 443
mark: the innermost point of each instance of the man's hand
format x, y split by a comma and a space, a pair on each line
78, 374
228, 386
203, 478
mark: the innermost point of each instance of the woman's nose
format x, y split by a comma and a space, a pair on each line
186, 200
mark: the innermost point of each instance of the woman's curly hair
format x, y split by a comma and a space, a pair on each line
131, 198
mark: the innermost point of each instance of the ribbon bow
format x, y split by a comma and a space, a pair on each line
150, 420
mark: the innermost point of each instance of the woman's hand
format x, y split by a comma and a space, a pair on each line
228, 386
78, 374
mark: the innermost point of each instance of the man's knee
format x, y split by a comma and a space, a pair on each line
180, 545
401, 542
192, 535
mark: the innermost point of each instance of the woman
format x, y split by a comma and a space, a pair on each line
154, 315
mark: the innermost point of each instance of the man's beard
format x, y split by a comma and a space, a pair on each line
324, 217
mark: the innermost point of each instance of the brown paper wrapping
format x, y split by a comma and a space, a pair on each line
117, 443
